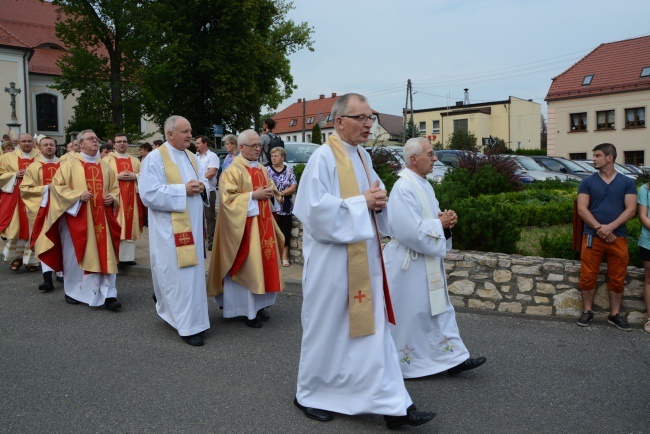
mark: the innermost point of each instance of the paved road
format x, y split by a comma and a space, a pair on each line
77, 369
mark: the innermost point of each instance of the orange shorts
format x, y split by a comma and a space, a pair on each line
617, 262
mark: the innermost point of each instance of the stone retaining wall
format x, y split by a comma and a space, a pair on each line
522, 284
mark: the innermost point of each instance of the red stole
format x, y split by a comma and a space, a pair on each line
48, 170
128, 197
268, 241
104, 221
12, 200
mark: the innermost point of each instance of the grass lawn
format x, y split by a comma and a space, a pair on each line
528, 245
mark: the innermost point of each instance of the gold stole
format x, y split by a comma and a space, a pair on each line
362, 319
185, 250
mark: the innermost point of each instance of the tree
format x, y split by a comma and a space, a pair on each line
411, 131
543, 133
100, 64
218, 62
462, 139
316, 135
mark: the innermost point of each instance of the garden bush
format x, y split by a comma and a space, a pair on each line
558, 245
297, 170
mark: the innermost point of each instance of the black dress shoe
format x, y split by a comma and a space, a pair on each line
111, 303
466, 366
412, 418
46, 286
263, 314
253, 323
155, 300
71, 300
210, 247
314, 413
194, 340
59, 279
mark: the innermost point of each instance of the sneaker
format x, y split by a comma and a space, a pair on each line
586, 318
618, 321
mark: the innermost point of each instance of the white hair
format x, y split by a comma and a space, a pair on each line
413, 146
170, 124
80, 135
242, 138
340, 107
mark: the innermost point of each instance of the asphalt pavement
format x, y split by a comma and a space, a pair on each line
76, 369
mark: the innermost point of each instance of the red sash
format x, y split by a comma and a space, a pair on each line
12, 200
48, 172
127, 196
267, 238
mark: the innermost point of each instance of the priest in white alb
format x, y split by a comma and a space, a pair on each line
173, 189
426, 334
130, 212
244, 275
348, 361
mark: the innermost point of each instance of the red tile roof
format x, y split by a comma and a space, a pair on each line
312, 108
616, 67
28, 24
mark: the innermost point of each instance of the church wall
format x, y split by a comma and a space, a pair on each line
43, 84
522, 284
12, 69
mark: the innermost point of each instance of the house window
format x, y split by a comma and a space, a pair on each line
634, 157
309, 137
436, 127
605, 120
587, 80
47, 113
295, 138
328, 117
461, 124
635, 117
645, 72
293, 122
578, 121
423, 127
310, 120
578, 156
288, 138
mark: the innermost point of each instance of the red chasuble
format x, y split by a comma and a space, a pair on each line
104, 221
12, 200
267, 238
48, 170
128, 198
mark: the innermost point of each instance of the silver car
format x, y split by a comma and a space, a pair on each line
533, 169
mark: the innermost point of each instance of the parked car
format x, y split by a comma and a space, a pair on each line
449, 156
619, 168
531, 168
634, 169
562, 165
395, 155
222, 154
298, 152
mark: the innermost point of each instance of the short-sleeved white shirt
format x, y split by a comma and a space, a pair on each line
207, 161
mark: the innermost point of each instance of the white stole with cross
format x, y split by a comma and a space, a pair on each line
438, 297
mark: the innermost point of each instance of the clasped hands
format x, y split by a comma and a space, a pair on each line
194, 187
448, 218
127, 176
605, 233
87, 195
263, 193
376, 197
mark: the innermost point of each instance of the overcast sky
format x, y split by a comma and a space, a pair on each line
496, 48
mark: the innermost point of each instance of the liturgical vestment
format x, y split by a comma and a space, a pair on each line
86, 232
244, 273
130, 212
426, 344
14, 224
337, 372
180, 292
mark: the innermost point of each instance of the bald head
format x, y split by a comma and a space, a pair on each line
26, 143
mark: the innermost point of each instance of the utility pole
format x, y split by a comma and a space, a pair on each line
409, 96
304, 106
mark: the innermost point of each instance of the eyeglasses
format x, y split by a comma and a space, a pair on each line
258, 146
361, 118
92, 139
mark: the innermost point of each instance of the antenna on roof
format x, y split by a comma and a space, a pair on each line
466, 97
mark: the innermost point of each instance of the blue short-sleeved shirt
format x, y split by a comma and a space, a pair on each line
606, 201
644, 200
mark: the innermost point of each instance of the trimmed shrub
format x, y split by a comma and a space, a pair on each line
558, 245
297, 170
530, 151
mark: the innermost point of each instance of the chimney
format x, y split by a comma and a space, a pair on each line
299, 100
333, 94
321, 96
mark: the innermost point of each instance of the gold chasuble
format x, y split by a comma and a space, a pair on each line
38, 175
185, 250
14, 223
248, 246
362, 321
94, 230
130, 213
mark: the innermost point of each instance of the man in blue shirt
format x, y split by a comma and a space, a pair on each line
606, 201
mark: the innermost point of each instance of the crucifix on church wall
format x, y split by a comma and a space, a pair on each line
13, 91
